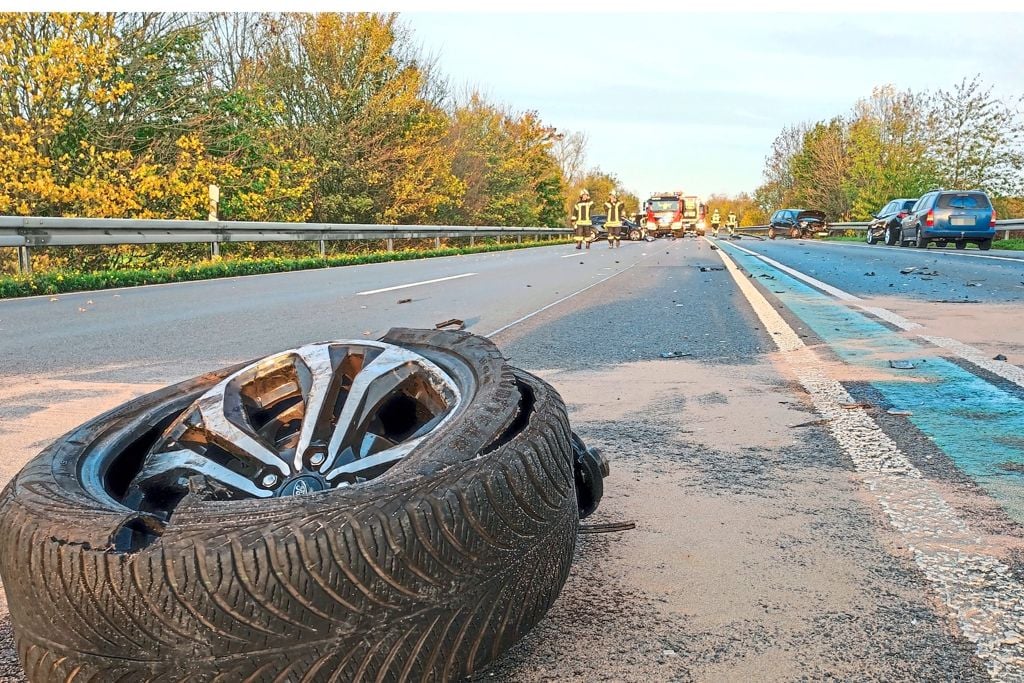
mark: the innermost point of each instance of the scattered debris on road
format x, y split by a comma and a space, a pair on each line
895, 411
708, 269
870, 273
766, 276
1011, 466
973, 284
453, 322
854, 406
999, 356
675, 354
606, 528
812, 423
712, 246
404, 301
955, 301
902, 364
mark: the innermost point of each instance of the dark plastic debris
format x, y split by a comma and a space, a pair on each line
453, 322
675, 354
902, 364
999, 357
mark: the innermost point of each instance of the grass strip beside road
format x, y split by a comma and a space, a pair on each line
58, 282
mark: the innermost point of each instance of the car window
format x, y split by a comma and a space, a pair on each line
973, 200
889, 208
909, 204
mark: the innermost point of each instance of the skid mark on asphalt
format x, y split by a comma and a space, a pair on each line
965, 569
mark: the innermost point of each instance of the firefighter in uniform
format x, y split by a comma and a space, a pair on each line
614, 208
716, 220
581, 220
731, 223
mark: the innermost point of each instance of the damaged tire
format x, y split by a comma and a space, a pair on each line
422, 543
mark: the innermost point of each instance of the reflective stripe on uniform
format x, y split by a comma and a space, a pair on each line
614, 212
581, 213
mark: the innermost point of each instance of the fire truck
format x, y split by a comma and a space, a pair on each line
664, 214
673, 213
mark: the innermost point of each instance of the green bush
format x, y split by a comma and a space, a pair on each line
57, 282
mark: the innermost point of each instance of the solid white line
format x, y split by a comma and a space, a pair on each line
929, 252
571, 255
967, 575
1007, 371
414, 284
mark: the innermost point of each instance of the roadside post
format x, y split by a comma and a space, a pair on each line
214, 201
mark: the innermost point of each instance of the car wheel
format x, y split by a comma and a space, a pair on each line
921, 242
870, 237
960, 244
794, 233
772, 234
406, 507
985, 245
892, 236
634, 235
594, 235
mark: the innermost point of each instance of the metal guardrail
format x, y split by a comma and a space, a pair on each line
1007, 226
23, 233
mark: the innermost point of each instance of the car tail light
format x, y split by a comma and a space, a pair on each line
992, 221
903, 214
929, 220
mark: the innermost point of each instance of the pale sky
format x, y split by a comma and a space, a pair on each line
693, 101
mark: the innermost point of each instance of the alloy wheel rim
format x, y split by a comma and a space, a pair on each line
318, 417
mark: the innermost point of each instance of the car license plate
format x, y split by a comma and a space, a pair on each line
962, 220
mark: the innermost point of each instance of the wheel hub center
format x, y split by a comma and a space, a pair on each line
301, 485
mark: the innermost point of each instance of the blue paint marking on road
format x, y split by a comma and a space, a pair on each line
977, 424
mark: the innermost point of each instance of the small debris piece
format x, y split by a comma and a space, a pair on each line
902, 364
404, 301
675, 354
955, 301
812, 423
53, 298
854, 406
907, 271
766, 276
714, 247
999, 356
606, 528
708, 269
89, 302
870, 273
453, 322
972, 284
894, 411
1011, 466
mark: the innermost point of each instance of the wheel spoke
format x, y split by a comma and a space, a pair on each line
377, 380
160, 464
229, 436
370, 465
317, 358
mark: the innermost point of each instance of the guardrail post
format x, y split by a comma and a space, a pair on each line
24, 261
215, 249
1006, 234
437, 243
391, 244
323, 248
519, 238
472, 240
499, 239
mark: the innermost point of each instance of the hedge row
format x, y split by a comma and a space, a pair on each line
57, 282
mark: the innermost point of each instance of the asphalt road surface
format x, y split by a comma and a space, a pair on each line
804, 510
